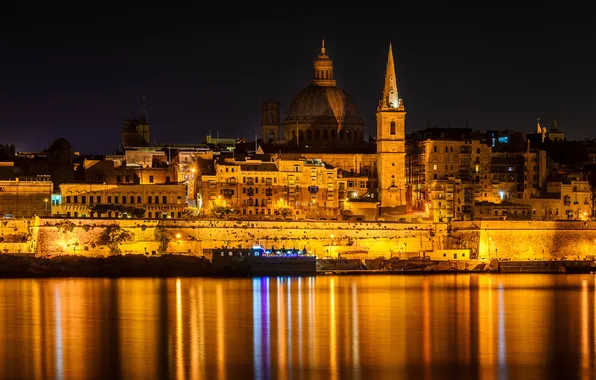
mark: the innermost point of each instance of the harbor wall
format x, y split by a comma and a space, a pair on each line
88, 236
510, 240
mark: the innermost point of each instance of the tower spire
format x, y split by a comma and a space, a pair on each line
390, 93
323, 70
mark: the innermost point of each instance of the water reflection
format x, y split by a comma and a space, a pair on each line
398, 327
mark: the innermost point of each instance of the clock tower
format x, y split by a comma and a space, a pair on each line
391, 148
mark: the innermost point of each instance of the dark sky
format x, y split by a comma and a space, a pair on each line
78, 73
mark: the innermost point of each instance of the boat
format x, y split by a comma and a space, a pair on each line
258, 261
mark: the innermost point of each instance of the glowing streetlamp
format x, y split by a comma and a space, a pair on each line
177, 236
46, 202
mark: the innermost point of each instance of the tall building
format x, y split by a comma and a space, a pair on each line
135, 132
322, 114
391, 147
270, 122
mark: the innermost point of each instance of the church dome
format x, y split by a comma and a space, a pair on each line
323, 113
321, 103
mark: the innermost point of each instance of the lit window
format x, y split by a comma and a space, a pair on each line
435, 167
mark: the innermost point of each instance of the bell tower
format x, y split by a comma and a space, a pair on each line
391, 147
270, 121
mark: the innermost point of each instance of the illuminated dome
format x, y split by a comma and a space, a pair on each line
321, 103
323, 113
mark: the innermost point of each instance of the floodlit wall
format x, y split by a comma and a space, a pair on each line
523, 240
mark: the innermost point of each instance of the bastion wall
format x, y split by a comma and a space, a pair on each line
511, 240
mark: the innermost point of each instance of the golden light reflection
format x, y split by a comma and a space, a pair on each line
584, 323
179, 337
426, 329
221, 364
37, 323
318, 327
59, 371
197, 333
313, 349
281, 328
332, 330
194, 351
355, 328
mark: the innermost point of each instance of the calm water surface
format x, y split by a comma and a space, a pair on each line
368, 327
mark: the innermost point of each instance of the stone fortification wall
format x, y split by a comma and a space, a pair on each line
18, 235
88, 236
529, 240
486, 240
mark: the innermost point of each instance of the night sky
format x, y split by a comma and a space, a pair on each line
78, 73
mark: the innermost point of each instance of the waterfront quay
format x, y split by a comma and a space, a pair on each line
443, 242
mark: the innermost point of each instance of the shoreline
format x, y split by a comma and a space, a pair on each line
141, 266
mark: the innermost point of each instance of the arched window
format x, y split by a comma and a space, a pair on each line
325, 134
333, 134
348, 135
341, 134
301, 136
392, 128
317, 135
309, 135
271, 118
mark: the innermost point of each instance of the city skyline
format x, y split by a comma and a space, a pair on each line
79, 71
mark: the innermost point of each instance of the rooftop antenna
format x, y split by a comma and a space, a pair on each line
144, 116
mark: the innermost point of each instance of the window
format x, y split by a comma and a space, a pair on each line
435, 149
83, 199
149, 199
76, 199
156, 199
118, 178
164, 199
132, 199
98, 199
116, 199
91, 199
68, 199
139, 199
150, 179
124, 199
127, 179
392, 128
167, 179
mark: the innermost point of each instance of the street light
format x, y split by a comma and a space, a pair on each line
46, 202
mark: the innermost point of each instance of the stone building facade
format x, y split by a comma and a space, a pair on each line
436, 158
25, 198
280, 189
151, 201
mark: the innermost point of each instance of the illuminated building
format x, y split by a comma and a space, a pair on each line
281, 189
322, 114
439, 154
151, 201
22, 198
